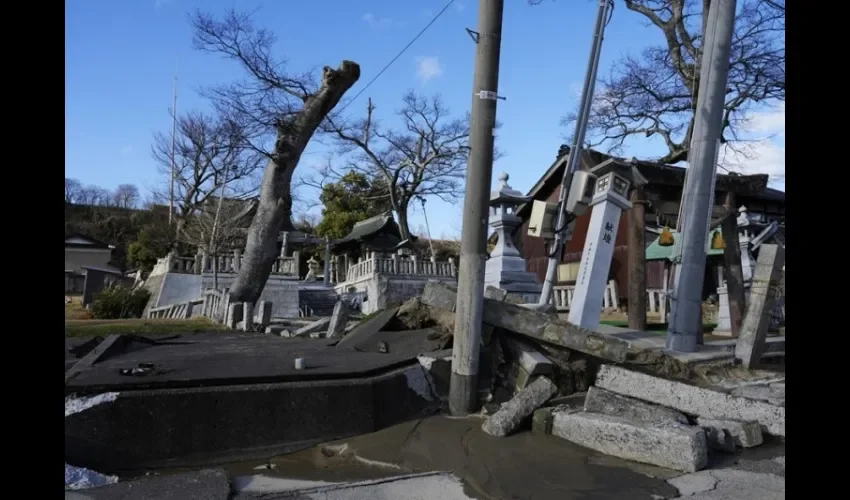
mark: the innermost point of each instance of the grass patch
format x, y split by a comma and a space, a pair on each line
75, 309
104, 327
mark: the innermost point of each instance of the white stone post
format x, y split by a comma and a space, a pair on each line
608, 202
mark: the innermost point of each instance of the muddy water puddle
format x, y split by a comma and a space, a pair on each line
521, 466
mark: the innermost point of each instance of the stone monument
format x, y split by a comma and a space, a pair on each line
610, 198
312, 270
506, 269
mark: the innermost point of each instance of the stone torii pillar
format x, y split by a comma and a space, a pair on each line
610, 198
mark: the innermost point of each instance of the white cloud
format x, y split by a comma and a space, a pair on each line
459, 6
428, 68
763, 151
158, 4
575, 89
376, 22
126, 150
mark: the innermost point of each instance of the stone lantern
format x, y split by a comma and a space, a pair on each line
506, 269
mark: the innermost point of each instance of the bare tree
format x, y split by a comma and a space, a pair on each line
215, 227
72, 190
93, 195
425, 157
281, 112
210, 150
655, 94
125, 196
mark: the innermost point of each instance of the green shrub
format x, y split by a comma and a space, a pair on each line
119, 302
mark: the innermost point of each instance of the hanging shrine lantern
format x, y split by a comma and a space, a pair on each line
717, 241
666, 238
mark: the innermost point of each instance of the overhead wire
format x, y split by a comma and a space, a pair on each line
400, 53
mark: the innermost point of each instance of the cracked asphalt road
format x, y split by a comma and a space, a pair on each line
746, 480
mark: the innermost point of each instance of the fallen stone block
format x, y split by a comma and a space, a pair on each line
339, 319
610, 403
533, 324
541, 420
719, 440
743, 434
320, 325
368, 328
671, 445
281, 330
512, 413
529, 358
495, 293
691, 399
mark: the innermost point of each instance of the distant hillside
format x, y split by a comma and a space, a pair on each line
113, 225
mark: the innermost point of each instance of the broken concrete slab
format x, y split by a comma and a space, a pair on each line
599, 400
671, 445
320, 325
691, 399
367, 328
512, 413
537, 325
339, 319
744, 434
209, 484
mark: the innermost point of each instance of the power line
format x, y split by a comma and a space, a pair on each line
401, 52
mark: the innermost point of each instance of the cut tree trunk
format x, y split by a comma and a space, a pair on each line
732, 269
637, 261
274, 210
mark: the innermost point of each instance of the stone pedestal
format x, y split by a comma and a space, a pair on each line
506, 269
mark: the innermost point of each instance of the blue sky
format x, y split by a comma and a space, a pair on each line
120, 59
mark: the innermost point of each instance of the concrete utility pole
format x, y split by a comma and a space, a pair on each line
686, 321
463, 390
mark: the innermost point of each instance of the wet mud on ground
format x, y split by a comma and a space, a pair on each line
522, 466
517, 467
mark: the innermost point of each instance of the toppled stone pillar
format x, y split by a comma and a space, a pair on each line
691, 399
527, 363
512, 413
339, 319
763, 293
610, 403
671, 445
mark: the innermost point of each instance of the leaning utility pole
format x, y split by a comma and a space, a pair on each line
463, 390
603, 16
686, 320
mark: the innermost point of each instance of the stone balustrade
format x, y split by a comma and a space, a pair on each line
396, 265
226, 263
655, 298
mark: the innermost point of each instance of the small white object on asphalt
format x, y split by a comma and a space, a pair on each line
299, 363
